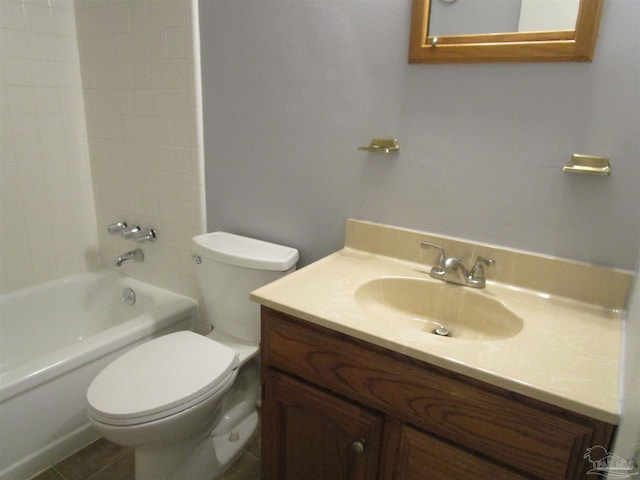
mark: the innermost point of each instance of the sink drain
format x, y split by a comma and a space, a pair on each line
441, 331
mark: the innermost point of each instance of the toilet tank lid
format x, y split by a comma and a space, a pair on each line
244, 252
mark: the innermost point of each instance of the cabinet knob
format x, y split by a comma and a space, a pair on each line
357, 446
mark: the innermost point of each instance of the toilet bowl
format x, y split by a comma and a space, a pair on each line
187, 402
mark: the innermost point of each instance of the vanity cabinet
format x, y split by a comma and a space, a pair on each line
336, 407
320, 435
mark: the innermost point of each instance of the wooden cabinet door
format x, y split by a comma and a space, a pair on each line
519, 433
422, 457
312, 435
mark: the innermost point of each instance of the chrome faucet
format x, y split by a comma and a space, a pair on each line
451, 269
132, 256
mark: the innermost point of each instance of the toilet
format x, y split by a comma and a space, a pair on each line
187, 402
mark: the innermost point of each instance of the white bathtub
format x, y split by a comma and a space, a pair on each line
54, 339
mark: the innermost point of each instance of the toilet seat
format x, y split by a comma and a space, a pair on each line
160, 378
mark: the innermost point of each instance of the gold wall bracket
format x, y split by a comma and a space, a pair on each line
382, 145
588, 164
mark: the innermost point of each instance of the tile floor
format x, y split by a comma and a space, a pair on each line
102, 460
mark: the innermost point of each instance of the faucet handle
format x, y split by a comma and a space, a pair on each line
130, 231
477, 271
438, 265
116, 228
146, 235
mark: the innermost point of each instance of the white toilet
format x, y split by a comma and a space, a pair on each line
187, 402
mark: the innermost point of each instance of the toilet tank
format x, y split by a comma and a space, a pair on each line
229, 267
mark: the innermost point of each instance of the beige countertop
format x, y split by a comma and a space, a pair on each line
566, 354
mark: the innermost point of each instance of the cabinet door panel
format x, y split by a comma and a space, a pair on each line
495, 423
423, 457
311, 434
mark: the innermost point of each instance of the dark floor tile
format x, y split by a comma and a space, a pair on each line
103, 460
50, 474
246, 467
255, 447
90, 460
121, 469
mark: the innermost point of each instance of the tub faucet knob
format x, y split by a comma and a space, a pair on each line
116, 228
146, 235
130, 232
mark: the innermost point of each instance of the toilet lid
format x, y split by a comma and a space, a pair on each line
160, 377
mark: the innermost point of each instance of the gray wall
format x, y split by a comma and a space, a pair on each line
627, 442
291, 88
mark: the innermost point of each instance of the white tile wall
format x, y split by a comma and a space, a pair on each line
138, 67
47, 219
99, 123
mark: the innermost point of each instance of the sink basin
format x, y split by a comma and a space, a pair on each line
427, 306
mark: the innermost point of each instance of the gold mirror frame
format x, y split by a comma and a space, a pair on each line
556, 46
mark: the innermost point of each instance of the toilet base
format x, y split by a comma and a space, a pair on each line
200, 459
230, 447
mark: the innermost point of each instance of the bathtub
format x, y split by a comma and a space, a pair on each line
54, 339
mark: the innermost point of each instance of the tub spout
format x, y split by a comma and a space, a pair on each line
132, 256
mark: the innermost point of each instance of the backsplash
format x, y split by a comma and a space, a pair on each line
594, 284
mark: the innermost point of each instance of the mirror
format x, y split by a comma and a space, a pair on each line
535, 32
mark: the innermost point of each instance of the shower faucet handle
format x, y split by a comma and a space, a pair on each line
116, 228
146, 235
130, 232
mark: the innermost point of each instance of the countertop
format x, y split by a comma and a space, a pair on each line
567, 353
